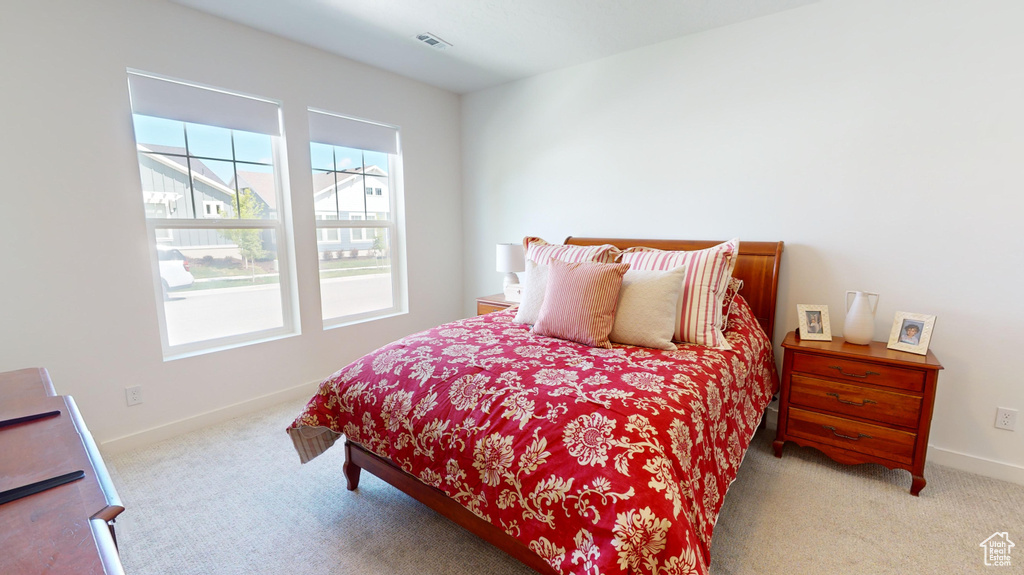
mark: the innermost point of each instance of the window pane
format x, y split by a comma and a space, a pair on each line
348, 159
257, 185
165, 189
351, 194
213, 177
376, 162
379, 201
250, 147
325, 200
209, 141
356, 279
219, 283
150, 131
321, 156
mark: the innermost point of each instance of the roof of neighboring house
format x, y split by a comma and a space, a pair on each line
262, 183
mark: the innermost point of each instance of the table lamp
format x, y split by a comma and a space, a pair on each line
510, 259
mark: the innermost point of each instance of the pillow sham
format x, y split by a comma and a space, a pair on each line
699, 308
579, 302
542, 252
533, 293
645, 314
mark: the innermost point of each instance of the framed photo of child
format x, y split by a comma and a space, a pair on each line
814, 323
911, 332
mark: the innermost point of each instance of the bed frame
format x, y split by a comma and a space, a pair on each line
757, 266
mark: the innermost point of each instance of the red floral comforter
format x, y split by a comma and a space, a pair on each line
600, 460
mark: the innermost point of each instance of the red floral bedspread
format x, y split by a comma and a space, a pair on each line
600, 460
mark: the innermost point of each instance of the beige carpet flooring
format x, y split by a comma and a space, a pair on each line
234, 499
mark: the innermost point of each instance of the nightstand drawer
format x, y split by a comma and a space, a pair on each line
482, 308
859, 371
853, 435
858, 401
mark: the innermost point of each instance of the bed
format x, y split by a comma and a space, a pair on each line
572, 459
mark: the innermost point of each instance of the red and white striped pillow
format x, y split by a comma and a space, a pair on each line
580, 301
707, 277
542, 252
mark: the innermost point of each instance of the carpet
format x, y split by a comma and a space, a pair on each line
233, 498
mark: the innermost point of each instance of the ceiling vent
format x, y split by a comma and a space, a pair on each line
433, 41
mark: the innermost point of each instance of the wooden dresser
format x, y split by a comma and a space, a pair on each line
63, 529
858, 403
496, 302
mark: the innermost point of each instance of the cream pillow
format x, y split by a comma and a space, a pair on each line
646, 313
533, 293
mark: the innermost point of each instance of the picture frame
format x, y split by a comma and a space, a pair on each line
911, 332
814, 322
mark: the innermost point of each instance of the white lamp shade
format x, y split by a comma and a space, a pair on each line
510, 258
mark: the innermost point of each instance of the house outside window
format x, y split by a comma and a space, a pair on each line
356, 192
209, 165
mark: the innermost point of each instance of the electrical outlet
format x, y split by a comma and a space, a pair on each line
133, 395
1006, 418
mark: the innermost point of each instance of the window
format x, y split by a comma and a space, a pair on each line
356, 187
214, 209
209, 164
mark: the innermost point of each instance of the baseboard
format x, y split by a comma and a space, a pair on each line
971, 463
979, 465
212, 417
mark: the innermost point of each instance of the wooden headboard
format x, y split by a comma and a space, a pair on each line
757, 266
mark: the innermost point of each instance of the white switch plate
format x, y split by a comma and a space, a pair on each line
133, 395
1006, 418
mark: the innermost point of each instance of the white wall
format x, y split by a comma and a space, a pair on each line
882, 141
76, 292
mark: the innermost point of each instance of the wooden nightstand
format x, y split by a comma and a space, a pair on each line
489, 303
858, 403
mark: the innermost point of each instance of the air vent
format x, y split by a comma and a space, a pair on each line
433, 41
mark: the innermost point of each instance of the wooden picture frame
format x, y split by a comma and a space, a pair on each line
911, 332
814, 322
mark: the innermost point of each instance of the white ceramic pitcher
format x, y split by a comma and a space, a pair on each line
860, 317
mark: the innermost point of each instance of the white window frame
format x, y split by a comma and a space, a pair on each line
281, 226
395, 226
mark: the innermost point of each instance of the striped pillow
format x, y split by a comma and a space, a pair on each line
579, 302
707, 279
542, 252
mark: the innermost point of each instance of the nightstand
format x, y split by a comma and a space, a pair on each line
858, 403
489, 303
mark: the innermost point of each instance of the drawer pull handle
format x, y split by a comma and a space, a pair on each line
854, 403
840, 370
833, 430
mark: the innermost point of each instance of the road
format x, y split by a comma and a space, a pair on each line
200, 315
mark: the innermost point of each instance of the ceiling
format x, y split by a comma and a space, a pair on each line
493, 41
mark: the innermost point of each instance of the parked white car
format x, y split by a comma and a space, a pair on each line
174, 269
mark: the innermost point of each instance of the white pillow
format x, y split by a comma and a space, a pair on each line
533, 293
646, 313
